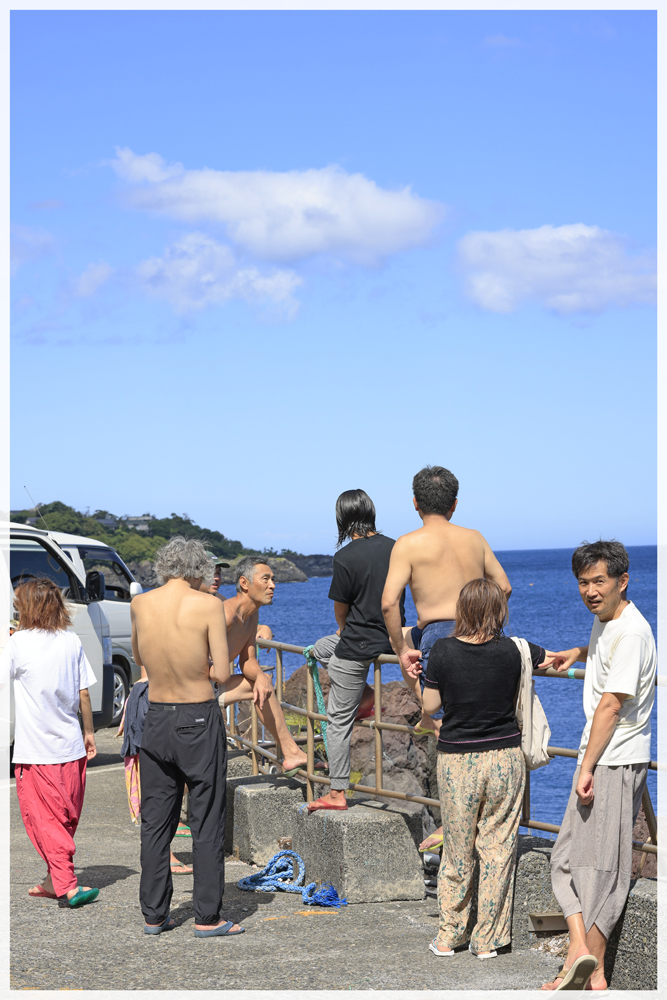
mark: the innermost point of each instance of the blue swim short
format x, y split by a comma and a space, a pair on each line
423, 639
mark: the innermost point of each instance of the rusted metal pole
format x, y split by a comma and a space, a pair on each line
310, 733
377, 678
279, 674
255, 737
649, 815
232, 708
525, 805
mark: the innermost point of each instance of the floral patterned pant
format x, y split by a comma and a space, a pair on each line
480, 800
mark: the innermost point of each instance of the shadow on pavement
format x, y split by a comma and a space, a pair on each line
100, 876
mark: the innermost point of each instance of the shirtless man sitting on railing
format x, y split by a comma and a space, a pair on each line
436, 561
255, 585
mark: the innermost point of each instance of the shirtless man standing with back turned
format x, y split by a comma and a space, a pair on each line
436, 560
175, 629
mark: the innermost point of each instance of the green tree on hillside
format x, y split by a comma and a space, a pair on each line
131, 544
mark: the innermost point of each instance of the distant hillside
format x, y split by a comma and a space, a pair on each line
137, 539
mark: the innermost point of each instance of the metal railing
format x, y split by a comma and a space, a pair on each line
265, 750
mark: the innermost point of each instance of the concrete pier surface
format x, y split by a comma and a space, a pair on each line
286, 945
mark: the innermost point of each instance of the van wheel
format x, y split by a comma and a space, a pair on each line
121, 689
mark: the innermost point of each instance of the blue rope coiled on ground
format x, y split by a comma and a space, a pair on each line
279, 874
321, 707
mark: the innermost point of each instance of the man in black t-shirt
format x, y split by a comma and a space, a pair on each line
359, 574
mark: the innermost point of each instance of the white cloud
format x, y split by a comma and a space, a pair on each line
92, 278
285, 216
567, 269
29, 244
196, 272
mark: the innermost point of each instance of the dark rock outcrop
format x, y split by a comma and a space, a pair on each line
318, 565
283, 570
143, 572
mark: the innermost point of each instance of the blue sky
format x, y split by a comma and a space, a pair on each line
264, 257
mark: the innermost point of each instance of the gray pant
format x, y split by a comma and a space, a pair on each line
591, 862
348, 678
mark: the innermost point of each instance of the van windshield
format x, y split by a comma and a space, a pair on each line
117, 577
29, 559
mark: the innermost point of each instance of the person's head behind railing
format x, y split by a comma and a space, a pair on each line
481, 611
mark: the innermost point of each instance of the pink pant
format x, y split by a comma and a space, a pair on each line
51, 799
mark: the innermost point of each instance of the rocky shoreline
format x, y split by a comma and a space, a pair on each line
285, 570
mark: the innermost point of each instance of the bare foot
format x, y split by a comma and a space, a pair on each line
334, 799
597, 980
178, 867
433, 841
298, 759
572, 955
427, 724
210, 927
73, 892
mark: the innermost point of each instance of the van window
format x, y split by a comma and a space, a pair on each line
29, 559
116, 577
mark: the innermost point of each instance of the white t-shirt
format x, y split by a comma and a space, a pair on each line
48, 669
622, 659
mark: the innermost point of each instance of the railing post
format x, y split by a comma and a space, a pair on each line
254, 737
232, 709
649, 815
279, 674
310, 734
377, 683
525, 806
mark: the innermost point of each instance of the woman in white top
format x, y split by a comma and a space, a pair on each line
51, 679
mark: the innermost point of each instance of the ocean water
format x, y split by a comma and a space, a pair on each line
545, 608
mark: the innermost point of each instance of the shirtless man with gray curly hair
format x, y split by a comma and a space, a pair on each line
179, 635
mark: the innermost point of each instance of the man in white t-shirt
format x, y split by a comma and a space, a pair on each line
591, 861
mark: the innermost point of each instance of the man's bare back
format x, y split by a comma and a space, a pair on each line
175, 629
443, 557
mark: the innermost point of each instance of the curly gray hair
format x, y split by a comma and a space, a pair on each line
185, 559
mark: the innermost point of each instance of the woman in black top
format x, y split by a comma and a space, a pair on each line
474, 675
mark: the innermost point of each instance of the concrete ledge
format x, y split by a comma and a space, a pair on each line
631, 961
263, 810
369, 853
532, 887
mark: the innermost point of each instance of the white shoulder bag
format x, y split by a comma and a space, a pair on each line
535, 731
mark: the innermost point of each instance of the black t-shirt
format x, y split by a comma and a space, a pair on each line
359, 574
478, 685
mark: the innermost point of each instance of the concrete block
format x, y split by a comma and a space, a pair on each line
239, 764
532, 887
263, 810
369, 853
631, 961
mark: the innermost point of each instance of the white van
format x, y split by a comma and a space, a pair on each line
32, 553
89, 555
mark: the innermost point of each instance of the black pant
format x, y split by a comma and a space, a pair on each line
183, 744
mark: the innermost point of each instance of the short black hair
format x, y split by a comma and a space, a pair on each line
613, 553
355, 515
435, 489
